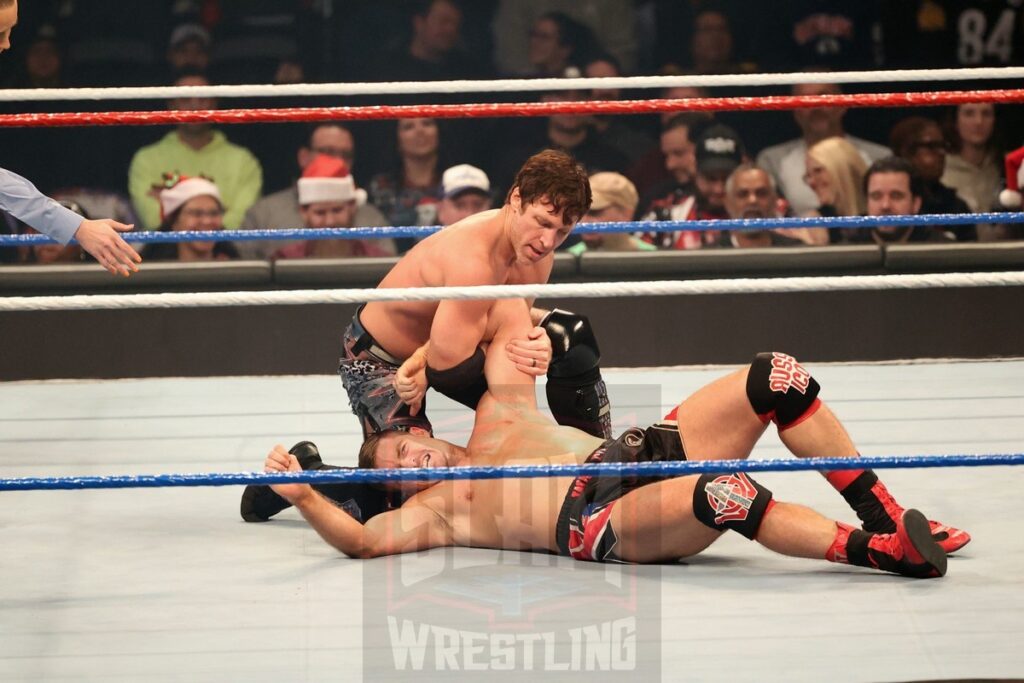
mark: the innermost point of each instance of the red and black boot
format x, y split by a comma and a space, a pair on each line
879, 512
910, 550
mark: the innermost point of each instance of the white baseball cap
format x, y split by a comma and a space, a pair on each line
464, 178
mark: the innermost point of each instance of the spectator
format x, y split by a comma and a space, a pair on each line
650, 173
609, 23
467, 190
920, 141
195, 149
434, 52
711, 45
894, 188
786, 161
821, 33
406, 194
972, 169
1009, 199
556, 42
719, 151
614, 130
328, 198
188, 49
44, 61
569, 133
679, 154
573, 134
678, 159
614, 200
289, 71
281, 209
190, 203
835, 173
750, 193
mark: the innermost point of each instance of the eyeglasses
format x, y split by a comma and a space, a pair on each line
201, 213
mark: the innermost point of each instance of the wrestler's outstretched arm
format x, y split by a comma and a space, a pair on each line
414, 526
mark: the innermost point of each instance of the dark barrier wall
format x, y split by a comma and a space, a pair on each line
633, 331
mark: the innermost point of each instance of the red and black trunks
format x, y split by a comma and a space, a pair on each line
583, 530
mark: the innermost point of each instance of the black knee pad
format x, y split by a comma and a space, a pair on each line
731, 501
464, 383
577, 395
581, 402
779, 389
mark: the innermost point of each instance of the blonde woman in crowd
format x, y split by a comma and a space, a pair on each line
835, 172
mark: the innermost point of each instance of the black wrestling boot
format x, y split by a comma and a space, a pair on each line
260, 503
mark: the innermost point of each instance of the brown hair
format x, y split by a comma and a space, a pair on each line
554, 176
949, 131
368, 451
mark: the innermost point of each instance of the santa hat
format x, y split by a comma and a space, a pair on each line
1010, 198
174, 197
326, 179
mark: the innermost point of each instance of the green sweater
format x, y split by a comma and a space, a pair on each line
581, 247
234, 169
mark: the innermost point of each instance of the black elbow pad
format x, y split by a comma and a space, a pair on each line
464, 383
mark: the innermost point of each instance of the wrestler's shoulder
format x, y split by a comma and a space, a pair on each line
469, 228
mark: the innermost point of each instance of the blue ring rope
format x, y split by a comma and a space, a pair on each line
744, 224
674, 468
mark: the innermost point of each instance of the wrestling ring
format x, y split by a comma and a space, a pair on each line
117, 581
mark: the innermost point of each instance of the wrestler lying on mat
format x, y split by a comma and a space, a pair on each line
626, 520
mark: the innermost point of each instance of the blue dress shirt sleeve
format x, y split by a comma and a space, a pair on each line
21, 199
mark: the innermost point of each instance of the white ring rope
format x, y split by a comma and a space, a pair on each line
585, 290
508, 85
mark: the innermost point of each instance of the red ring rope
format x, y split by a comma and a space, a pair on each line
521, 109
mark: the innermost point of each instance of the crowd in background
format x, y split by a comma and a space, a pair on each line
809, 162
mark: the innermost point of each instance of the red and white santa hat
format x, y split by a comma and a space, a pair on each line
1010, 198
174, 197
327, 179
